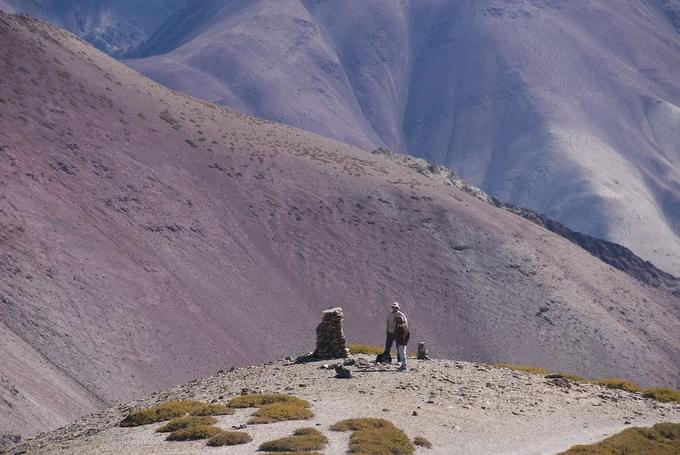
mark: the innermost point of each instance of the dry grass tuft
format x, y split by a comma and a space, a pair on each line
303, 440
186, 421
525, 368
661, 439
359, 424
170, 410
662, 394
193, 433
273, 407
375, 437
278, 412
368, 349
622, 384
259, 400
229, 438
211, 409
420, 441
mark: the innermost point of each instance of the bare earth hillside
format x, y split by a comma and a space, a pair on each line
461, 408
147, 238
570, 108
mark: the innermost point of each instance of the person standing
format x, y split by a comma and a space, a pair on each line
391, 326
401, 336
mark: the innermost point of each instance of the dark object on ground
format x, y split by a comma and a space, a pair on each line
350, 361
422, 351
362, 363
7, 439
383, 358
559, 381
309, 357
342, 372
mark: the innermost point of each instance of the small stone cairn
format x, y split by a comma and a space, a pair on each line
330, 339
422, 351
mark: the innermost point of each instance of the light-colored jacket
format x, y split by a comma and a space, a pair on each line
392, 320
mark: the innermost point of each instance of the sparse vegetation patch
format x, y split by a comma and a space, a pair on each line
661, 439
662, 394
278, 412
375, 437
302, 440
273, 407
622, 384
193, 433
229, 438
171, 409
184, 422
525, 368
368, 349
257, 400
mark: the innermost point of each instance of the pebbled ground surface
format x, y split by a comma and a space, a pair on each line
461, 408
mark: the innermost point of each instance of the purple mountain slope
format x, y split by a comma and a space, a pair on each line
568, 108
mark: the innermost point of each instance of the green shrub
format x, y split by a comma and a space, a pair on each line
193, 433
662, 394
375, 437
422, 442
186, 421
170, 410
229, 438
661, 439
616, 383
278, 412
303, 440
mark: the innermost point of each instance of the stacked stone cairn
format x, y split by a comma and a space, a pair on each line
330, 339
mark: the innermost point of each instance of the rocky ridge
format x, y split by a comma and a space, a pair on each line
618, 256
461, 407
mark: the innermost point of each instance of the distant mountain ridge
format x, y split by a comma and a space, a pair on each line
611, 253
568, 108
113, 26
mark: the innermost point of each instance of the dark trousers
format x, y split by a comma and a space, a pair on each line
388, 342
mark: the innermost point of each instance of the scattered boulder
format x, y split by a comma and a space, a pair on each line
558, 381
342, 372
